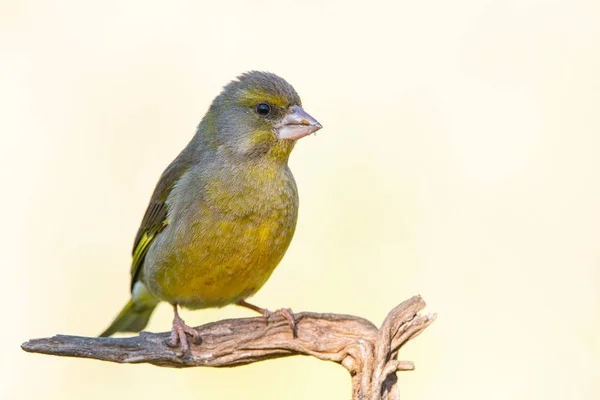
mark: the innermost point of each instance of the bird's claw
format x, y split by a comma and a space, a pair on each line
286, 313
179, 333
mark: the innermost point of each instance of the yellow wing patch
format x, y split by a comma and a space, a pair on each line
143, 246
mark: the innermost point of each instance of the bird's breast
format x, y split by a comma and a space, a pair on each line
227, 245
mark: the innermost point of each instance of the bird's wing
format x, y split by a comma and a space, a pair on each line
155, 218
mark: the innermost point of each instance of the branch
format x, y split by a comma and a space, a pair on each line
368, 353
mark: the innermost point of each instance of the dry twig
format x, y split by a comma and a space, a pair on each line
368, 353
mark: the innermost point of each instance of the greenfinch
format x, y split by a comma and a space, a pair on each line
224, 211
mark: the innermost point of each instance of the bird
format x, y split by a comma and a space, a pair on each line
224, 212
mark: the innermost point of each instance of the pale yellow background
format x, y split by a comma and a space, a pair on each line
460, 159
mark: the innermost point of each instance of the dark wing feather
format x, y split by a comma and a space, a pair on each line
155, 218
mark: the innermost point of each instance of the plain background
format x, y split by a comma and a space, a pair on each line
459, 160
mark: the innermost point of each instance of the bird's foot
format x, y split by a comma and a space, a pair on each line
286, 313
179, 333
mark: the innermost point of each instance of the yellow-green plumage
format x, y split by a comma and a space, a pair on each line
240, 233
224, 212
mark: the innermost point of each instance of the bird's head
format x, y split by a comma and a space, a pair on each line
258, 115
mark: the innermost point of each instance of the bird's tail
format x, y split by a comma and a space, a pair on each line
135, 315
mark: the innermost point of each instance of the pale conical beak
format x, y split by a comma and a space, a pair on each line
297, 124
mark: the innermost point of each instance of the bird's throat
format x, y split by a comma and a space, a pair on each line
281, 150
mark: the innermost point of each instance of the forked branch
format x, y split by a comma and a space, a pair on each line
368, 353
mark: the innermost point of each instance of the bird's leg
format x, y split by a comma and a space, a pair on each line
180, 330
284, 312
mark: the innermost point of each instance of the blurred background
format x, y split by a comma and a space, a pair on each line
460, 160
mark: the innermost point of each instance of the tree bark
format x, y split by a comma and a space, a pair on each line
368, 353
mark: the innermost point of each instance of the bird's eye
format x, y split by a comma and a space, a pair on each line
263, 109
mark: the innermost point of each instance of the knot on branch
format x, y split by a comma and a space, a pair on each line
368, 353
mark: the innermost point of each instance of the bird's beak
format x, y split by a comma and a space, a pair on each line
297, 124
